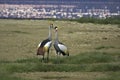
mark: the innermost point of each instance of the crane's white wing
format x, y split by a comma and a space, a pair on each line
62, 47
48, 44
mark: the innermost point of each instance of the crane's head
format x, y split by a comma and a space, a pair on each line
51, 25
55, 28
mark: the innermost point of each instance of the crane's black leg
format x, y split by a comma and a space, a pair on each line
47, 56
42, 59
58, 58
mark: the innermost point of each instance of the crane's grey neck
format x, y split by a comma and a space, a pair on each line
50, 34
56, 35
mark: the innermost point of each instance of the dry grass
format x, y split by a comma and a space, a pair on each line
62, 75
19, 40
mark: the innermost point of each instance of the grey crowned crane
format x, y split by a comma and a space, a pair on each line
44, 46
60, 47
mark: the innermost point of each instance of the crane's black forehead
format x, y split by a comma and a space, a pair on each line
55, 27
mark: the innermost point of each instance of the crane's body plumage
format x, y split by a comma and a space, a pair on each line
60, 47
45, 45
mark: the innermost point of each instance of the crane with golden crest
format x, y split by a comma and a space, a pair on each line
45, 45
60, 48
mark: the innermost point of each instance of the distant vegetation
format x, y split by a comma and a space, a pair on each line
109, 20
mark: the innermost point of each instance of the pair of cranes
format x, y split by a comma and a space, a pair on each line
44, 46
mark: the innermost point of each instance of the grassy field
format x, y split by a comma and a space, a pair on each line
94, 51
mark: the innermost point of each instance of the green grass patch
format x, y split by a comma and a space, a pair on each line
93, 62
37, 67
28, 60
83, 58
85, 62
88, 58
104, 47
55, 77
